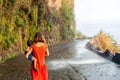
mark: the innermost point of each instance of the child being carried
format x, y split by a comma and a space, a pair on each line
30, 56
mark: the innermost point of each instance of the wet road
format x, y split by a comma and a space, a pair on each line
70, 61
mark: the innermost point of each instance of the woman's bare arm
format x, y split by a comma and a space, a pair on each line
47, 52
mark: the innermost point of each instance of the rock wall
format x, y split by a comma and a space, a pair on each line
21, 19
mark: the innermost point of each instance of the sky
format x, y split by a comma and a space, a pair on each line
93, 15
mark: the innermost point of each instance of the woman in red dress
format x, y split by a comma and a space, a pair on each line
39, 50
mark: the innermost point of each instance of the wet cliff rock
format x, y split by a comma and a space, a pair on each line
21, 19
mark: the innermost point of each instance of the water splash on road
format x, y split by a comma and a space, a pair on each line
81, 56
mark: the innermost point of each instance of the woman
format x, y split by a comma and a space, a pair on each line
39, 50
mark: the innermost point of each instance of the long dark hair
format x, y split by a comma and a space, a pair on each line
39, 37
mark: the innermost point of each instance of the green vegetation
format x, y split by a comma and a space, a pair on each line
21, 19
78, 34
67, 19
105, 41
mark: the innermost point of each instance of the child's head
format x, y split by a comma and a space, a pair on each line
39, 37
29, 42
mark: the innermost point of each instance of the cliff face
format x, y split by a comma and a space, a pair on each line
21, 19
55, 4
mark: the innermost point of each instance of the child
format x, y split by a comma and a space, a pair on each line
30, 56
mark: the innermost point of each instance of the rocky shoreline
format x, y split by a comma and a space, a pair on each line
106, 54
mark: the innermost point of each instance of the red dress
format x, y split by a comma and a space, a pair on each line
39, 54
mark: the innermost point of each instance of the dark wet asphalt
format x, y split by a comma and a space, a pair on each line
70, 61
